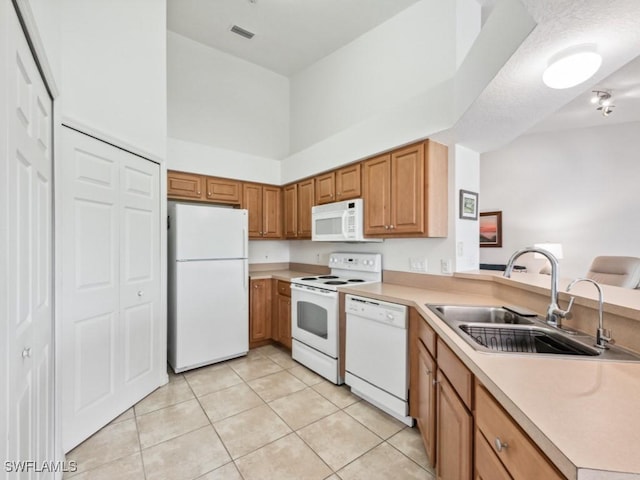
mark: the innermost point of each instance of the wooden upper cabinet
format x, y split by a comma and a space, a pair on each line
305, 203
290, 193
271, 212
264, 203
348, 182
325, 188
341, 184
252, 201
185, 186
222, 190
405, 192
377, 195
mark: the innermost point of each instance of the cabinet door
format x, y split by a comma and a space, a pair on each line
487, 465
252, 201
284, 320
305, 202
348, 182
181, 185
291, 211
260, 312
377, 195
407, 190
271, 212
454, 432
325, 188
426, 412
222, 190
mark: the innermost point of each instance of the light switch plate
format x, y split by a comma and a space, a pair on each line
418, 264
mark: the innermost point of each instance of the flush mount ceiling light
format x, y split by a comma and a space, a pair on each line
572, 66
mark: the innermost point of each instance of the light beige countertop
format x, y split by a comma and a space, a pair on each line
584, 414
285, 275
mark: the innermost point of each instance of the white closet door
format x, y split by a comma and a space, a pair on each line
111, 325
29, 260
140, 277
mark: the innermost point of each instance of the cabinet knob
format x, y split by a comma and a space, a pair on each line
198, 192
392, 227
386, 227
26, 353
208, 194
331, 195
500, 445
256, 286
140, 293
435, 382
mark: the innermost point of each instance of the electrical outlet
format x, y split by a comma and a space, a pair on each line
445, 265
418, 264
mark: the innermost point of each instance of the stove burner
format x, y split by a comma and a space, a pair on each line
309, 278
327, 277
335, 282
355, 280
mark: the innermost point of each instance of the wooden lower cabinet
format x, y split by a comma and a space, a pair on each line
454, 434
422, 391
259, 312
508, 444
426, 414
281, 325
487, 465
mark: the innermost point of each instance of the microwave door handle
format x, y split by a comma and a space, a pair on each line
345, 217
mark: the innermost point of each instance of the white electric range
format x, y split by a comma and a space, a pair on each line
314, 310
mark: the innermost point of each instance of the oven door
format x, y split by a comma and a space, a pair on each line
314, 318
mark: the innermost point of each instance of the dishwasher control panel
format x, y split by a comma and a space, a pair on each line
392, 314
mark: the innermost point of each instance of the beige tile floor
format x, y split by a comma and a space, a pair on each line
259, 417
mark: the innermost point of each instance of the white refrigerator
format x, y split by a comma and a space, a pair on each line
208, 317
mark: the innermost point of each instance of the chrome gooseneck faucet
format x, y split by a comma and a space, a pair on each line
554, 312
603, 337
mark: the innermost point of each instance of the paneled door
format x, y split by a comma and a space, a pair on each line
27, 231
112, 354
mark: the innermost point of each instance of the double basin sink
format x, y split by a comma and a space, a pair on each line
515, 330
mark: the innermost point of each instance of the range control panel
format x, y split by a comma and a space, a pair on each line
362, 262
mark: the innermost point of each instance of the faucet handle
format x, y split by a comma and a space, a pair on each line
567, 313
603, 337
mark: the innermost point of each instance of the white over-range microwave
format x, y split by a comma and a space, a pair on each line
339, 222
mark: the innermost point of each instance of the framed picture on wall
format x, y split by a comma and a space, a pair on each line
468, 205
491, 229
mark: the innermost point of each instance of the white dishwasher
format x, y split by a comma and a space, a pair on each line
377, 354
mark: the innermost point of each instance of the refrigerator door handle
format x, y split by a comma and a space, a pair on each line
245, 275
244, 242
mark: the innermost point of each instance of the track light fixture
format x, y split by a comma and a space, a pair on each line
603, 99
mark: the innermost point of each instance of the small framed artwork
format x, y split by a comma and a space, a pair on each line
491, 229
468, 205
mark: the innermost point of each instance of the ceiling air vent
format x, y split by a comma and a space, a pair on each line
242, 32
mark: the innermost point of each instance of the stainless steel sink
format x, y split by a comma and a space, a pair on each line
473, 314
515, 330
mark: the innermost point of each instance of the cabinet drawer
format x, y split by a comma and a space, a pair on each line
284, 288
426, 334
487, 465
520, 456
458, 375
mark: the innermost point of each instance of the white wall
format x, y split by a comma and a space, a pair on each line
466, 232
113, 69
396, 254
576, 187
409, 54
46, 16
269, 251
219, 100
209, 160
468, 24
